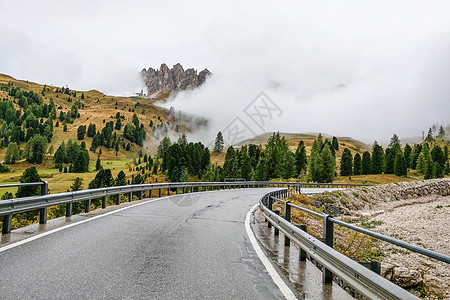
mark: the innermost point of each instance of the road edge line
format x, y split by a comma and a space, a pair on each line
285, 290
41, 235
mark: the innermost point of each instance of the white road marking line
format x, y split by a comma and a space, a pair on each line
285, 290
38, 236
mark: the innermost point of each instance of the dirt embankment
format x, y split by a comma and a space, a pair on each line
414, 212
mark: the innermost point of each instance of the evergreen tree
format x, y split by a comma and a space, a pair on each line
121, 179
81, 131
438, 156
77, 184
377, 160
98, 164
438, 170
366, 163
81, 163
315, 158
346, 163
12, 153
327, 165
335, 143
300, 158
394, 145
103, 178
407, 155
415, 156
262, 170
429, 137
29, 175
400, 165
441, 133
246, 168
118, 125
389, 161
218, 144
357, 164
91, 130
36, 149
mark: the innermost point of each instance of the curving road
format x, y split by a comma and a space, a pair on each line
191, 246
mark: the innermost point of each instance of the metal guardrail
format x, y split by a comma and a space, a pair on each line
45, 200
365, 281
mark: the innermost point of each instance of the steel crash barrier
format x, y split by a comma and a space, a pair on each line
363, 280
45, 200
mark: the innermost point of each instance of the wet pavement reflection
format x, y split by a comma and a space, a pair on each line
305, 276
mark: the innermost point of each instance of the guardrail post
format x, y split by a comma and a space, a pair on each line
7, 220
176, 191
184, 189
302, 253
160, 193
150, 193
269, 206
277, 232
69, 209
43, 211
168, 191
287, 217
140, 195
328, 240
130, 197
104, 201
117, 199
87, 205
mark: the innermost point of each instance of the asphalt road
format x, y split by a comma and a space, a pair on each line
191, 246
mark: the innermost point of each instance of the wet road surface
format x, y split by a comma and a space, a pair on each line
191, 246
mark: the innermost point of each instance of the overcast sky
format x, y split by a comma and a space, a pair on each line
364, 69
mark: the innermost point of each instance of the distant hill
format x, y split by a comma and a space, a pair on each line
100, 108
293, 139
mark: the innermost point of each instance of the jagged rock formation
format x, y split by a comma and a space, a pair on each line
175, 79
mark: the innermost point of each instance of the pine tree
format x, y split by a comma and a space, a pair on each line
300, 158
12, 153
262, 170
389, 161
218, 144
407, 155
438, 170
394, 145
357, 164
429, 137
335, 143
36, 149
327, 165
98, 164
441, 133
77, 184
400, 165
377, 160
366, 163
29, 175
346, 163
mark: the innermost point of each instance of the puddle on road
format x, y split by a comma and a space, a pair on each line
305, 276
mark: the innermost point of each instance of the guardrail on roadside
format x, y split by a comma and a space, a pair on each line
365, 281
45, 200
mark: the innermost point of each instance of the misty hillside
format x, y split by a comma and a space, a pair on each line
98, 108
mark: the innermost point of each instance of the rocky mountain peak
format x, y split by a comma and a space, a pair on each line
175, 79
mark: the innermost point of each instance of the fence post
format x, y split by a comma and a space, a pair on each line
269, 206
302, 253
277, 232
87, 205
328, 240
104, 201
43, 211
287, 217
7, 220
69, 209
